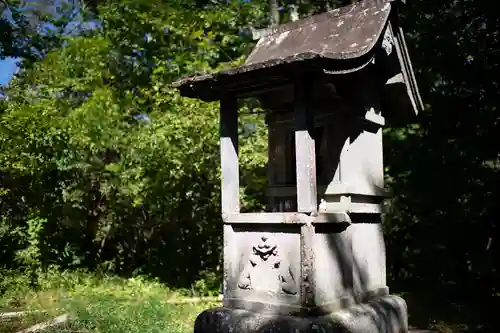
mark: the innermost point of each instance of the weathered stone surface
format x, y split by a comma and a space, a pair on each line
368, 250
344, 33
342, 39
349, 265
382, 315
262, 267
346, 40
316, 263
265, 268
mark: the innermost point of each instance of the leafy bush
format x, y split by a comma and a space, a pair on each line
122, 171
103, 303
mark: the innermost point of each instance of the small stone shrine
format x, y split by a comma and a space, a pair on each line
315, 261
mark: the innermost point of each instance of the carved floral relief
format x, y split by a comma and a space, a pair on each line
267, 270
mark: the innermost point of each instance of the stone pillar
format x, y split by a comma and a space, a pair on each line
230, 178
322, 268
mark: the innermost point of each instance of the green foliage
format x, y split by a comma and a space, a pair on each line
441, 226
101, 303
207, 285
122, 169
31, 29
31, 255
104, 166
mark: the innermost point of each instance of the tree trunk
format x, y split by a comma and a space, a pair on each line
274, 15
294, 11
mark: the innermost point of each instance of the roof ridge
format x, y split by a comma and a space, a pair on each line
319, 18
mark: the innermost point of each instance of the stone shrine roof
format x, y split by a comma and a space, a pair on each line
340, 41
344, 33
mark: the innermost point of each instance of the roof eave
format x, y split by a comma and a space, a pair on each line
211, 87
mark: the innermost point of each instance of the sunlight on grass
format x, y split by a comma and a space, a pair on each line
112, 305
18, 324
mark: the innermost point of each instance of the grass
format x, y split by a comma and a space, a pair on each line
105, 305
18, 324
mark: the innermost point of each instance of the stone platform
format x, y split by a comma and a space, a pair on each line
386, 314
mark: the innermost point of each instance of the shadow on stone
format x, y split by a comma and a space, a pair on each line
382, 315
327, 271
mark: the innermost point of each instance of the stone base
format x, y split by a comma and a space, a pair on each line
386, 314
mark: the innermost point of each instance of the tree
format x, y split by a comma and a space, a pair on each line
442, 228
95, 142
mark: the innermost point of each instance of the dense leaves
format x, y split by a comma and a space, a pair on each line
445, 170
121, 170
104, 165
30, 29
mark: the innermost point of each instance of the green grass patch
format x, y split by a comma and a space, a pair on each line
107, 304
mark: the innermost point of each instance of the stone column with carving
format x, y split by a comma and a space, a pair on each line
318, 264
